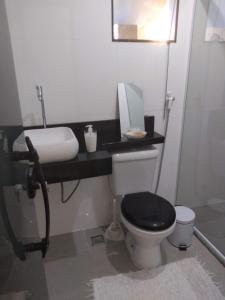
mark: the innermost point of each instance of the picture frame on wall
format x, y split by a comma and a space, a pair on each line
215, 28
144, 20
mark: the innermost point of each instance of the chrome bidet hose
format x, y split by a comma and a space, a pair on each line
169, 103
169, 99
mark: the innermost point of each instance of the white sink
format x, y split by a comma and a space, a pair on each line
52, 144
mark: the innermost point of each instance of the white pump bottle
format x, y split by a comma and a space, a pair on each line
90, 137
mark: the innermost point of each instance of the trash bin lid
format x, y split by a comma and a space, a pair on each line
184, 215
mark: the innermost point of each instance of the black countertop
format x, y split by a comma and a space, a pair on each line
85, 165
99, 163
126, 144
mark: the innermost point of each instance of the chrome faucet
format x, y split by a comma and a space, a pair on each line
41, 99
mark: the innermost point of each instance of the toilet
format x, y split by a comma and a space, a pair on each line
147, 217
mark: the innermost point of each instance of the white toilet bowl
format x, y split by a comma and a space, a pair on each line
144, 246
149, 219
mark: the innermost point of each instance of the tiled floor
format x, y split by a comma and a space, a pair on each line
210, 221
75, 259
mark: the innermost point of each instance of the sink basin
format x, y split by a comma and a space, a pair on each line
52, 144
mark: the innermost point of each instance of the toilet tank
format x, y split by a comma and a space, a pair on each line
133, 171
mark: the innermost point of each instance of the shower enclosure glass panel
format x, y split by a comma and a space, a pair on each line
22, 274
201, 183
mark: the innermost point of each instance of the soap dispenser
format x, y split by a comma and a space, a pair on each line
90, 137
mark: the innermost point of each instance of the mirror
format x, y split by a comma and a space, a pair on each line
131, 107
144, 20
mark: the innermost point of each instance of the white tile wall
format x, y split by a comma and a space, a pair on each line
65, 45
89, 207
177, 84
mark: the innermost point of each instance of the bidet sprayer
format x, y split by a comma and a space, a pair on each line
41, 99
168, 103
39, 92
170, 99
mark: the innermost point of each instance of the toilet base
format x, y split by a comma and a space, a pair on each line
144, 246
143, 256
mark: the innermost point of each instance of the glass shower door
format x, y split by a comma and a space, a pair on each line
201, 183
22, 274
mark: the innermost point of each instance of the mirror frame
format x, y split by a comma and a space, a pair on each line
145, 41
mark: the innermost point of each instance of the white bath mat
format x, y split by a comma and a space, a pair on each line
182, 280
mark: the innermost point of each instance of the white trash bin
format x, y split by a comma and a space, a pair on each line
183, 233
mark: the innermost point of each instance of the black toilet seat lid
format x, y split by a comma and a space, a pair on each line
148, 211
